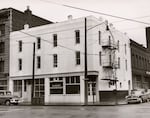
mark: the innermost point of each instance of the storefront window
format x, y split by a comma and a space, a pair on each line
56, 85
39, 87
3, 84
73, 85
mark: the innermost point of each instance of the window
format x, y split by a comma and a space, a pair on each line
17, 85
118, 62
3, 84
73, 85
38, 42
38, 62
118, 43
99, 36
77, 36
2, 29
20, 46
39, 87
126, 64
125, 46
55, 40
56, 85
20, 64
1, 66
2, 47
78, 58
55, 60
100, 58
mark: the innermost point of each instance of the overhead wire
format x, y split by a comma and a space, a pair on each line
96, 12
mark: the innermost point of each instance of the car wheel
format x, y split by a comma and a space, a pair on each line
141, 101
7, 102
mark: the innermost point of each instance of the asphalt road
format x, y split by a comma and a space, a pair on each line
121, 111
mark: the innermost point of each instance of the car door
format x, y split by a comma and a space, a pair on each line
2, 97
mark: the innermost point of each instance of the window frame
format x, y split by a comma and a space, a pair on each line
78, 58
38, 42
77, 36
2, 47
55, 39
55, 60
20, 45
20, 64
38, 62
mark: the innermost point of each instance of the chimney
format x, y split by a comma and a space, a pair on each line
26, 26
69, 17
28, 15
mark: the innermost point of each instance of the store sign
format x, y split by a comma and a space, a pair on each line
56, 85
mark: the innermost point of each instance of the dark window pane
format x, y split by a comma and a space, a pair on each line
72, 79
67, 79
77, 79
56, 91
72, 89
41, 81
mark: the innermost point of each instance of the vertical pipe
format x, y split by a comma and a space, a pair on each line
33, 72
85, 72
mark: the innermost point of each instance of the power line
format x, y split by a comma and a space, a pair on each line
132, 18
96, 12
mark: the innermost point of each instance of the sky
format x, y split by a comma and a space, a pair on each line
132, 9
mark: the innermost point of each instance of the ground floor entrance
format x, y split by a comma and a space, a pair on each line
23, 88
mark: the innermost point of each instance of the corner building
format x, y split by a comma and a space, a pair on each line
59, 62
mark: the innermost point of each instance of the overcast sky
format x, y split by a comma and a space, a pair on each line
139, 9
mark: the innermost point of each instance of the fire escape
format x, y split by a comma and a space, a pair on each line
109, 62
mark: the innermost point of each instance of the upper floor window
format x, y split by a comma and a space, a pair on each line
2, 29
55, 60
118, 62
118, 43
1, 66
99, 36
125, 47
2, 47
55, 40
126, 64
20, 64
77, 36
38, 62
20, 46
38, 42
100, 58
77, 57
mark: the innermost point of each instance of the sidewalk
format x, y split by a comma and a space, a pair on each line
77, 104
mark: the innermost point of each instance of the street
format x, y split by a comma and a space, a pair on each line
120, 111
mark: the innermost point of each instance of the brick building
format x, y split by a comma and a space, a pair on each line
13, 20
140, 60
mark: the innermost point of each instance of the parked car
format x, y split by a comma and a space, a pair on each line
133, 99
138, 96
7, 98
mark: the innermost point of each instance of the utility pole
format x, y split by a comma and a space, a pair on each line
33, 72
85, 71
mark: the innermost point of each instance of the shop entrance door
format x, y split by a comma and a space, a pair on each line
92, 91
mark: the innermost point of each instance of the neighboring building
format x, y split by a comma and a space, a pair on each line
59, 62
140, 59
12, 20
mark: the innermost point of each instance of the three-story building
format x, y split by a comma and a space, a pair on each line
59, 62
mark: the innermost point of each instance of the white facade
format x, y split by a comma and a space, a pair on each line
66, 75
